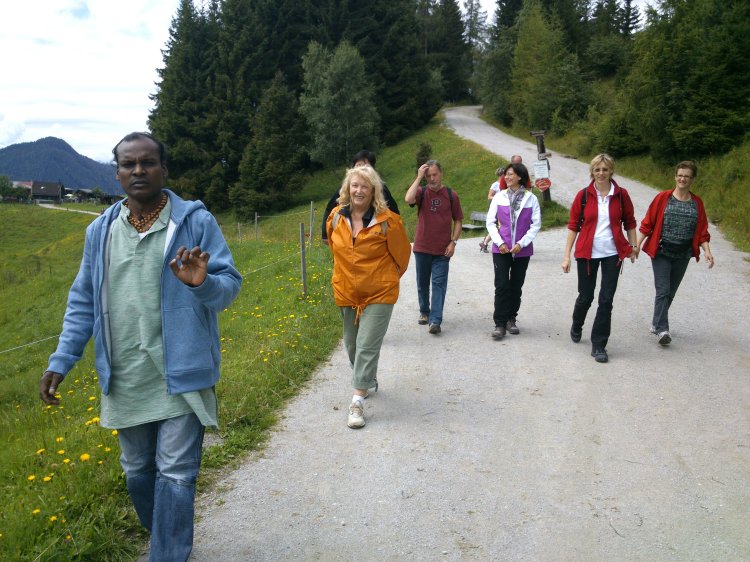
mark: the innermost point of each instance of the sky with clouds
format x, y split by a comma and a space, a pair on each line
80, 70
83, 70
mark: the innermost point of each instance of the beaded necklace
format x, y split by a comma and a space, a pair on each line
143, 222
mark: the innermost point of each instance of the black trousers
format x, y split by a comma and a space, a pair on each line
510, 273
587, 273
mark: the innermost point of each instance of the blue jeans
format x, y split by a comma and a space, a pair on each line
668, 274
435, 267
587, 272
161, 461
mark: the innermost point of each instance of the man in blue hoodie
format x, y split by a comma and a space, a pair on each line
156, 271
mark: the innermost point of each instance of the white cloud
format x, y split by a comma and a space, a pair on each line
81, 71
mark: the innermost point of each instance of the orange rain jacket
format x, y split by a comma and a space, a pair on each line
367, 270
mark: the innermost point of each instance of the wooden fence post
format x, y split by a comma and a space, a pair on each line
303, 258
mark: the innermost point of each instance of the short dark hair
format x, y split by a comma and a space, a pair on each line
364, 155
522, 172
687, 165
135, 136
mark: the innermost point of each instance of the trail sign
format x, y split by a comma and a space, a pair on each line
543, 184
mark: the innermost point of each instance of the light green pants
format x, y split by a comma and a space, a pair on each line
363, 341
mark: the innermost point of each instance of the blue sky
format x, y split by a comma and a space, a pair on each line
83, 70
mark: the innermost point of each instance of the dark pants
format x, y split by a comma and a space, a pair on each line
587, 271
668, 274
510, 273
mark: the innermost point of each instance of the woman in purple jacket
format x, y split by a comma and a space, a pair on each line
513, 221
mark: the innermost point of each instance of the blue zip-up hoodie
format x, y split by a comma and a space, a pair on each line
190, 326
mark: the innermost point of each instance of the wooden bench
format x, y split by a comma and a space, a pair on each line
476, 217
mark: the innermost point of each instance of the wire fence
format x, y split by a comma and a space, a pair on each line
271, 227
305, 239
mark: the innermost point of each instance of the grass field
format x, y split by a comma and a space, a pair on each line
64, 496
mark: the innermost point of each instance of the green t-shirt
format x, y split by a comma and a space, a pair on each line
138, 391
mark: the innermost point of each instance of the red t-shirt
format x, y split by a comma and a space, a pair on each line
435, 221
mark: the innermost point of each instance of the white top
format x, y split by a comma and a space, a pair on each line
495, 187
604, 242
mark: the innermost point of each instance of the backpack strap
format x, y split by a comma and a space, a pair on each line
583, 206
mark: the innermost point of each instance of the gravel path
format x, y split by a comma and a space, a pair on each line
523, 449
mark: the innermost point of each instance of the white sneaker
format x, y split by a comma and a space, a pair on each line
664, 338
652, 329
356, 415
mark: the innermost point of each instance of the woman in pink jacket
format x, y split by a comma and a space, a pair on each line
675, 228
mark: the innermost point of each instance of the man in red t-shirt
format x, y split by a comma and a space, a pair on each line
438, 230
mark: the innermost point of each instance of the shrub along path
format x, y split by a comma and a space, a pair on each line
522, 449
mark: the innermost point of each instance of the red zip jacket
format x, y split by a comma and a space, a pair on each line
653, 222
585, 240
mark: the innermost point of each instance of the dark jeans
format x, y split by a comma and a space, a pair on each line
510, 273
668, 274
587, 272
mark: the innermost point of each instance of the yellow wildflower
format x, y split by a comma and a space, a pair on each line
40, 451
114, 432
53, 518
61, 452
47, 478
36, 511
59, 439
31, 478
84, 457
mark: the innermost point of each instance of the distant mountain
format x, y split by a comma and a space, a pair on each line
53, 159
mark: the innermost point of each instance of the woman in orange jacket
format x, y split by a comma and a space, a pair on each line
370, 254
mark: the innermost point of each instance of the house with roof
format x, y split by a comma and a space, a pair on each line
47, 191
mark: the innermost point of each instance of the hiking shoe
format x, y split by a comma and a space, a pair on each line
664, 338
600, 355
499, 332
422, 319
575, 335
434, 329
356, 415
512, 328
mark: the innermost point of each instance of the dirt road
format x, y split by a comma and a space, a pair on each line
522, 449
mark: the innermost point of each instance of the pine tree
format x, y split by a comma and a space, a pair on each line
475, 25
506, 14
548, 89
183, 99
690, 84
338, 103
449, 51
270, 169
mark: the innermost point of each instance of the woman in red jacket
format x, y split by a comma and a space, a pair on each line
598, 215
675, 228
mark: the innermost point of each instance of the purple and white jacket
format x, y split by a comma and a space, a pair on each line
527, 224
